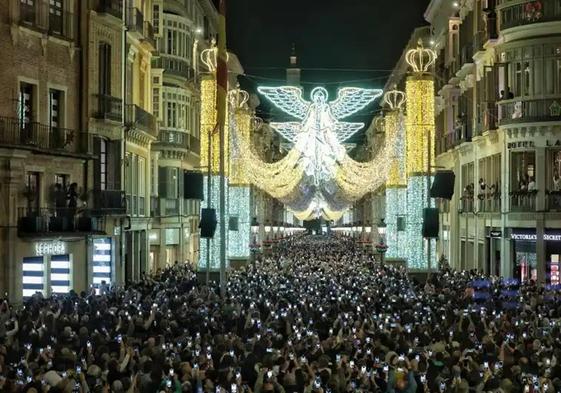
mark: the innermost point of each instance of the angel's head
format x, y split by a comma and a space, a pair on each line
319, 95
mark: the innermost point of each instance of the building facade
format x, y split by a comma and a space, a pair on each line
498, 128
183, 29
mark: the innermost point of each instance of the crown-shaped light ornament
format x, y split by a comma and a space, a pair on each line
256, 123
209, 56
238, 97
379, 123
394, 98
420, 59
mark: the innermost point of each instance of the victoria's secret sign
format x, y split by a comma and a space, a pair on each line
551, 237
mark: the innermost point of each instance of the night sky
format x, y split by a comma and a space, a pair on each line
359, 41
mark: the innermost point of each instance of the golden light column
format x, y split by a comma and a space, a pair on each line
420, 126
238, 99
396, 138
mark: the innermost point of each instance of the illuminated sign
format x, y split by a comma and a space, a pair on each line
50, 248
550, 237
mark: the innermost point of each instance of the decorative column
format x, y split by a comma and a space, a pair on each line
396, 184
420, 130
239, 202
210, 157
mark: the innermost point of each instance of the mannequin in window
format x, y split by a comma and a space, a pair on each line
556, 181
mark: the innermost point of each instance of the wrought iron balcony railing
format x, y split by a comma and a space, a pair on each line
524, 110
136, 117
108, 107
16, 133
514, 13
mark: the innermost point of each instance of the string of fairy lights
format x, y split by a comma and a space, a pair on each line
317, 177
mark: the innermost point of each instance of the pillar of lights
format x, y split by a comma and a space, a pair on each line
210, 143
239, 201
396, 183
420, 131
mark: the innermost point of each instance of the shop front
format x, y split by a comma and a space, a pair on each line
48, 267
525, 257
102, 266
493, 251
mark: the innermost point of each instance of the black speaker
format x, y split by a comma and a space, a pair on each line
233, 224
400, 223
193, 185
443, 185
430, 223
208, 223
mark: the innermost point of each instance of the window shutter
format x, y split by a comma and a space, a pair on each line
180, 183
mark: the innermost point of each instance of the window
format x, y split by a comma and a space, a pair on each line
55, 108
27, 11
141, 185
33, 191
527, 79
103, 164
62, 180
156, 102
523, 171
55, 16
26, 105
104, 69
156, 19
518, 80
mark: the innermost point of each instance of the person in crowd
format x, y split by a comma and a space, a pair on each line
316, 316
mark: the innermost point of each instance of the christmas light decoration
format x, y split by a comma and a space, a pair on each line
396, 210
420, 124
415, 245
238, 210
394, 127
215, 241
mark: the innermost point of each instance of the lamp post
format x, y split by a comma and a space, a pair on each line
254, 247
381, 247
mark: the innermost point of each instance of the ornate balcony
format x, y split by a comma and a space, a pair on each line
109, 202
108, 107
41, 137
138, 118
523, 201
57, 222
111, 7
524, 110
174, 66
514, 13
135, 21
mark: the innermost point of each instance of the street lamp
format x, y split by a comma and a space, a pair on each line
254, 247
381, 247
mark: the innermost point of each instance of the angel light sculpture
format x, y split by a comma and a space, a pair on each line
320, 134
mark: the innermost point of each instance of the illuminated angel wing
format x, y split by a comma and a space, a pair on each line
288, 130
351, 100
288, 99
345, 130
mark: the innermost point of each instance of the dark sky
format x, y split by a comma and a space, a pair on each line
328, 34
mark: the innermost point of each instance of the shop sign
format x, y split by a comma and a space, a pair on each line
50, 248
521, 144
524, 236
549, 237
496, 234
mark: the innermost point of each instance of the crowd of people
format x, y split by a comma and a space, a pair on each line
318, 315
